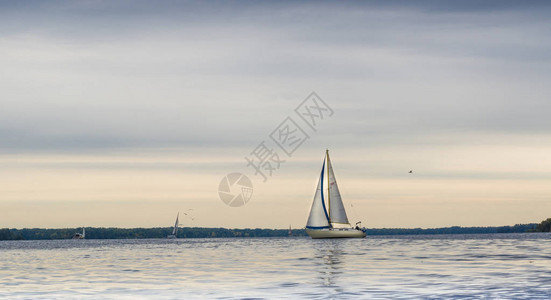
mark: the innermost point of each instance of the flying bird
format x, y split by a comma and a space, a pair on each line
410, 171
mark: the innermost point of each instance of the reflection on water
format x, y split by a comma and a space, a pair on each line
329, 254
515, 266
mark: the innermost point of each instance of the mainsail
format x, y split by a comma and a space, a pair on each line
318, 218
175, 230
337, 214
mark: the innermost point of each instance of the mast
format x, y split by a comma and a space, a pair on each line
328, 187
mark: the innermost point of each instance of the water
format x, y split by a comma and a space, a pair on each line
500, 266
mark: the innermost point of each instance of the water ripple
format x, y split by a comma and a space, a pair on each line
501, 266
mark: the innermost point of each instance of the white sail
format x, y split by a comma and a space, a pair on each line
318, 214
175, 230
337, 214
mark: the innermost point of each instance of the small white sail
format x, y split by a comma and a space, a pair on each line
337, 213
175, 230
318, 218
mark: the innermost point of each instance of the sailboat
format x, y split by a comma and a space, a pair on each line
80, 236
175, 230
329, 221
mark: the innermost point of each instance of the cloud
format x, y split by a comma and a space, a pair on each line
109, 74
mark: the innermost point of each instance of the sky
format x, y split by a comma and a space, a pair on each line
122, 113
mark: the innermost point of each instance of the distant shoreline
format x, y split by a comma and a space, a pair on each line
205, 232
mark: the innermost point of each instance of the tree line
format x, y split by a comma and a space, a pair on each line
519, 228
201, 232
141, 233
544, 226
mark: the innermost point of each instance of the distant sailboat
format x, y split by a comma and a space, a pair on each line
80, 236
290, 231
333, 221
175, 230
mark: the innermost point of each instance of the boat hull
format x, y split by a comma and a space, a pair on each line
335, 233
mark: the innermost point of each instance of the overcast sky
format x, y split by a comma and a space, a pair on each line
121, 113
